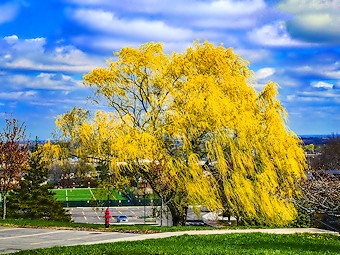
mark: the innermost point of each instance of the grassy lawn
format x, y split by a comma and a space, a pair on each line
85, 194
249, 243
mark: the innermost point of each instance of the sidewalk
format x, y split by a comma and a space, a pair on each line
218, 232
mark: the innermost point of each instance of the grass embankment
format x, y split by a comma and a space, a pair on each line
138, 228
250, 243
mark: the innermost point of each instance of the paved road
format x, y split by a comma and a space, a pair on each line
17, 239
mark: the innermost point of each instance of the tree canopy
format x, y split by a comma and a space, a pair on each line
192, 126
14, 157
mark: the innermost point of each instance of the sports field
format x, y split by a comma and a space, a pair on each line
87, 194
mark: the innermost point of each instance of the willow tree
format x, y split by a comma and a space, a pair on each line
193, 127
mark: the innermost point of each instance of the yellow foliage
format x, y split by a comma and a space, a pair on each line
171, 112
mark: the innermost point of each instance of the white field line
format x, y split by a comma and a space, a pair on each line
92, 195
97, 215
66, 195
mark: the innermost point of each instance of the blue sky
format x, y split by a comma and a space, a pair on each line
47, 46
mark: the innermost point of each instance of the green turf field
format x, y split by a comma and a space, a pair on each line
86, 194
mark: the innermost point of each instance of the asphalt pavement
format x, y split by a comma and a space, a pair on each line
135, 214
17, 239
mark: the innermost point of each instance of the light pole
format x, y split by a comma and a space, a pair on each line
142, 185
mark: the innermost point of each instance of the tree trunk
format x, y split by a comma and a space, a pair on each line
4, 207
178, 214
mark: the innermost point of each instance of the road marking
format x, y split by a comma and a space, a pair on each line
93, 195
85, 217
10, 237
8, 229
39, 243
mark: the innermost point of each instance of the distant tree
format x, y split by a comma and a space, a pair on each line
32, 199
310, 148
14, 157
329, 159
55, 174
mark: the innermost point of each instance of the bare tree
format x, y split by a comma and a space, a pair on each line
14, 157
321, 192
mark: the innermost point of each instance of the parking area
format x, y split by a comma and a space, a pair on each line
95, 214
135, 214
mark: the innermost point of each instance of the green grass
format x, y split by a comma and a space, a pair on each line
245, 243
85, 194
102, 194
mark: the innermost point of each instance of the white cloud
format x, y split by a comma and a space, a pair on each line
31, 54
320, 94
109, 43
306, 6
11, 39
264, 72
65, 102
8, 12
176, 23
108, 22
113, 44
18, 95
224, 7
32, 65
48, 81
274, 35
328, 97
321, 84
104, 42
253, 55
314, 20
179, 15
224, 22
179, 7
327, 71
